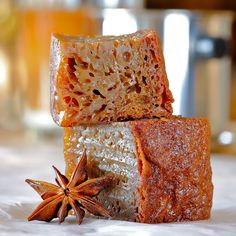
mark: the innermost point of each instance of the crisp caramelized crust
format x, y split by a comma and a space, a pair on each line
104, 79
174, 168
162, 167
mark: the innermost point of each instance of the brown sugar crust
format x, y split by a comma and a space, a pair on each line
105, 79
174, 168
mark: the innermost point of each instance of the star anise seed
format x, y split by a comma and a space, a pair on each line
75, 193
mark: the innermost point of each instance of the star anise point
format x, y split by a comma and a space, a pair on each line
75, 193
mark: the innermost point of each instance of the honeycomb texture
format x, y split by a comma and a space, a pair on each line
105, 79
161, 166
110, 148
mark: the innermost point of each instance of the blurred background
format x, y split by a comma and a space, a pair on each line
199, 43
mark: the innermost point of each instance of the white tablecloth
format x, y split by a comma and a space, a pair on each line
17, 199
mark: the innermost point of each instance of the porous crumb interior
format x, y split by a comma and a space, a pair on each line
109, 79
110, 148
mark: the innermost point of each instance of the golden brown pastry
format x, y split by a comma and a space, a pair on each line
105, 79
162, 167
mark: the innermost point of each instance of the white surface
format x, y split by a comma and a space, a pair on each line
17, 199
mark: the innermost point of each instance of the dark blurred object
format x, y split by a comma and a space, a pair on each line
192, 4
233, 87
212, 47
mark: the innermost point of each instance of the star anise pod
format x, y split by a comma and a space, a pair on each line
75, 193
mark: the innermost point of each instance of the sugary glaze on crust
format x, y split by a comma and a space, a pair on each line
105, 79
174, 168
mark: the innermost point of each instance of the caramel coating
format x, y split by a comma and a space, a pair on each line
174, 168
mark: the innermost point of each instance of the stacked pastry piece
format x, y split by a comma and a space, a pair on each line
112, 97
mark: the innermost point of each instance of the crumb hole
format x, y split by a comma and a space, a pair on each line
137, 88
123, 79
78, 93
127, 56
71, 86
75, 102
87, 104
118, 209
91, 67
71, 63
144, 80
128, 74
153, 53
97, 92
101, 109
131, 89
128, 101
91, 74
67, 99
111, 70
111, 88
